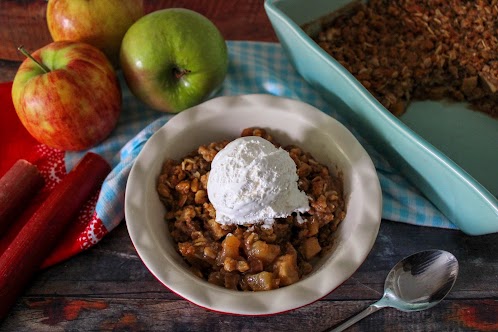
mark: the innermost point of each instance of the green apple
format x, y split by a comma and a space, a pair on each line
101, 23
173, 59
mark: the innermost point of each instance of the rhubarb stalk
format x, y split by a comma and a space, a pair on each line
17, 187
39, 235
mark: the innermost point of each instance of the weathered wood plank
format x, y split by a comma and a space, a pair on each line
82, 314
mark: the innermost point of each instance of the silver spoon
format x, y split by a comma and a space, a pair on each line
417, 282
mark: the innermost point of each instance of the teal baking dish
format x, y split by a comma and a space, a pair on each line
458, 174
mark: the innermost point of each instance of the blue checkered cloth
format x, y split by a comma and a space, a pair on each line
255, 67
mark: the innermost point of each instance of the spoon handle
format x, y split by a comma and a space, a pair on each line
370, 310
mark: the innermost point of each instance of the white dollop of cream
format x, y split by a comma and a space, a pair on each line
252, 182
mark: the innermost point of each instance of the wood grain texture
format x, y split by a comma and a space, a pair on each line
56, 314
109, 288
23, 23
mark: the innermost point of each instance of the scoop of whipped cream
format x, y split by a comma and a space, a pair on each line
251, 182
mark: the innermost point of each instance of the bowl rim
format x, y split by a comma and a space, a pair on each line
346, 258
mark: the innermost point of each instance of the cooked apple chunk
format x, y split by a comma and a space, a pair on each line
310, 248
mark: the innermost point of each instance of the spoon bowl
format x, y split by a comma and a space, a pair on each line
415, 283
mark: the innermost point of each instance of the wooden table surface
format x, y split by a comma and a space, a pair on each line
108, 287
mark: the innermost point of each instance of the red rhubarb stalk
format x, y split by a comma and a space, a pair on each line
17, 187
39, 235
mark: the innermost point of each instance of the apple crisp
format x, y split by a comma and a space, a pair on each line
403, 50
249, 257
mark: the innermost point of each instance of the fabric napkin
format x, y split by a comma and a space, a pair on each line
255, 67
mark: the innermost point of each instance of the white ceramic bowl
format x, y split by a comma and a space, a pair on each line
289, 121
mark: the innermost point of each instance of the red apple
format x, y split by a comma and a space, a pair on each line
67, 95
101, 23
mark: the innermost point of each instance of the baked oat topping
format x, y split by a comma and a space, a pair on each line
249, 257
404, 50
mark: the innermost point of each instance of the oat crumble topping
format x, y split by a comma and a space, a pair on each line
404, 50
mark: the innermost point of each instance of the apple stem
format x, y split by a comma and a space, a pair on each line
180, 72
27, 54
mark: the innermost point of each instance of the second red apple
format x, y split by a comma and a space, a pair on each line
101, 23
